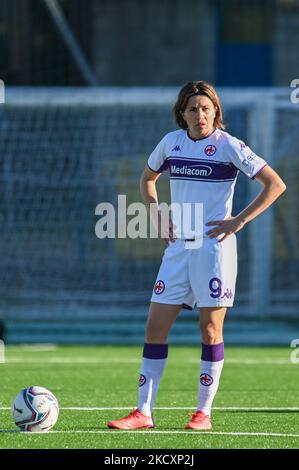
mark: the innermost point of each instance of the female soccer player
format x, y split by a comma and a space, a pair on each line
203, 163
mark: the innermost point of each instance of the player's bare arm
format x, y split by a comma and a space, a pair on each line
148, 188
273, 187
148, 192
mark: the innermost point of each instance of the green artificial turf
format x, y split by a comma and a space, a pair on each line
106, 377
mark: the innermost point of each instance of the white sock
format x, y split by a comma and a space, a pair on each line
153, 364
209, 375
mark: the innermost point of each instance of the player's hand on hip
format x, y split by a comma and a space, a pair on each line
224, 227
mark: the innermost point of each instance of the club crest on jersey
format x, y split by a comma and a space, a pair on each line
206, 380
159, 287
142, 380
210, 150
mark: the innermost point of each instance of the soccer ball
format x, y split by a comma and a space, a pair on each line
35, 409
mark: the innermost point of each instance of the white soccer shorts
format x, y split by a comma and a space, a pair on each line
205, 276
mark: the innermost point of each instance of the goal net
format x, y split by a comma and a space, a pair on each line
63, 151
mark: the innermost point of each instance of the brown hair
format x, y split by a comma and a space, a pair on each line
192, 89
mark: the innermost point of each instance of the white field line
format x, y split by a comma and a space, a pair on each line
199, 434
92, 360
169, 408
213, 433
35, 347
69, 360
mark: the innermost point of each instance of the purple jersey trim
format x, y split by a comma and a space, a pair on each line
162, 168
259, 171
155, 171
212, 352
201, 138
155, 351
201, 179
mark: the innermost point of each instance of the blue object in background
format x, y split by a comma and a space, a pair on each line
244, 64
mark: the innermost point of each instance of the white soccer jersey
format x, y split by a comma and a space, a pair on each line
205, 170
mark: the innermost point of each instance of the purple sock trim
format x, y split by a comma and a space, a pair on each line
212, 352
155, 351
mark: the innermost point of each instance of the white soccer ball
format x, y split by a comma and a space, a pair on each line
35, 409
